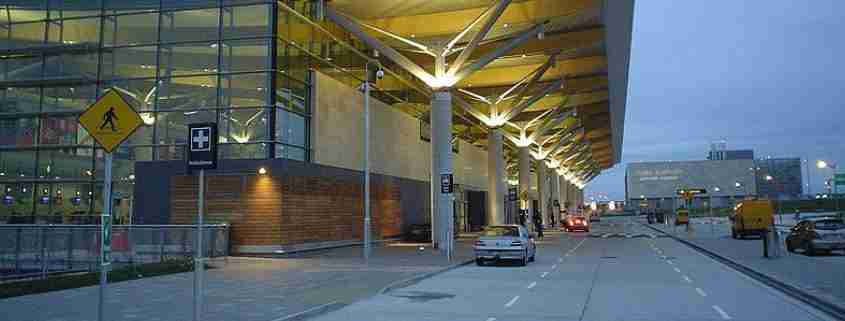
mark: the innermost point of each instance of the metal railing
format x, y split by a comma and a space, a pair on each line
37, 250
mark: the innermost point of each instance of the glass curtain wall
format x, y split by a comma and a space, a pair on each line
176, 61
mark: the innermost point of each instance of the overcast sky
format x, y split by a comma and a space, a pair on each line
764, 75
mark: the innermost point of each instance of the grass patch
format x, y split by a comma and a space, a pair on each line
62, 282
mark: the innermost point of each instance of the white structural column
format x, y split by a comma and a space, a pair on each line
556, 195
525, 184
496, 183
543, 191
564, 194
441, 163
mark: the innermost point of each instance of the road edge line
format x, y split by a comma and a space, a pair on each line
832, 310
313, 311
395, 285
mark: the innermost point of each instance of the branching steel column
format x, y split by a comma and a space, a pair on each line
543, 191
441, 163
496, 180
525, 184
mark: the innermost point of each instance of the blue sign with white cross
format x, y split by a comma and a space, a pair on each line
202, 146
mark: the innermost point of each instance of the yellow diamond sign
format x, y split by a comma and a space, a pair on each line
110, 120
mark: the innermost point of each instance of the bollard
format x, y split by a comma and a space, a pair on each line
765, 236
69, 260
43, 253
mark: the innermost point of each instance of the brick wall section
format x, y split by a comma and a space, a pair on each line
288, 210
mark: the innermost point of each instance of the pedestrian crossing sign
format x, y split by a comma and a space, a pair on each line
110, 120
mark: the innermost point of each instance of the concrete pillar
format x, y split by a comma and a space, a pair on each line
543, 190
496, 180
556, 195
441, 163
525, 184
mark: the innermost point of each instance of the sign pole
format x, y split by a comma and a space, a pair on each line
198, 257
105, 236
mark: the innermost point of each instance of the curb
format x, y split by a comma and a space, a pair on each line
416, 279
313, 312
833, 310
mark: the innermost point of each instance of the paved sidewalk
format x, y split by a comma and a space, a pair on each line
249, 289
823, 276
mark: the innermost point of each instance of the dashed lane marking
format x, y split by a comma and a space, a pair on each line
554, 266
560, 260
670, 262
687, 279
491, 319
677, 270
544, 274
722, 312
700, 292
512, 301
532, 285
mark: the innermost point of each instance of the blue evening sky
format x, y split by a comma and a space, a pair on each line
764, 75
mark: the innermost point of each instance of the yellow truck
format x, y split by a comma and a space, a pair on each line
752, 217
682, 217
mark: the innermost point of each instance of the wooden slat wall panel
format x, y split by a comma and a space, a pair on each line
264, 210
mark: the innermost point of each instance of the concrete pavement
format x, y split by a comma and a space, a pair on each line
252, 289
577, 277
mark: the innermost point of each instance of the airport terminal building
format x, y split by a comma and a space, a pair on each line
726, 181
282, 80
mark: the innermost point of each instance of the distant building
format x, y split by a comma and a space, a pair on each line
656, 183
719, 151
730, 154
779, 178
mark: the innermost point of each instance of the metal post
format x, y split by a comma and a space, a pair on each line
198, 255
161, 237
105, 235
43, 253
809, 178
367, 241
18, 249
69, 261
712, 222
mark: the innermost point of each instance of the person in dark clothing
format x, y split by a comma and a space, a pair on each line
538, 224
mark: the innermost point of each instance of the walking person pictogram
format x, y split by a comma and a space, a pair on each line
108, 119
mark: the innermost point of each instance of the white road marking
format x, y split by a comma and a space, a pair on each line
295, 315
511, 302
530, 286
544, 274
700, 292
677, 270
686, 278
554, 266
491, 319
670, 262
560, 260
722, 312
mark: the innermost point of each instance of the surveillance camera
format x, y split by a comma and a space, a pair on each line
380, 73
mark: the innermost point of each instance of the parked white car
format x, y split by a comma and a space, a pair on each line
505, 242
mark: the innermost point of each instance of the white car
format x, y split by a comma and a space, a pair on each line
505, 242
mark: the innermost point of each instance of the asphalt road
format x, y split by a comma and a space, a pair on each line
619, 271
822, 275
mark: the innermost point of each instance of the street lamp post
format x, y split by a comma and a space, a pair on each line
824, 164
712, 222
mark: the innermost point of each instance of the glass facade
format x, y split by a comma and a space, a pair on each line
245, 64
176, 61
